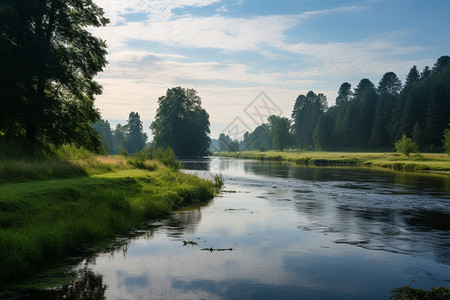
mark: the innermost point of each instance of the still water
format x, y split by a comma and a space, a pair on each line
284, 232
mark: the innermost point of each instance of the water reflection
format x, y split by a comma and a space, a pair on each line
295, 233
87, 286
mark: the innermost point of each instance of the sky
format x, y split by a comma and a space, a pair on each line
248, 59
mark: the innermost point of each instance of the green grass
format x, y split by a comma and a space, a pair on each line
83, 202
433, 162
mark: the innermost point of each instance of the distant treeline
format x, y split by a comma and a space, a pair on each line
129, 137
368, 118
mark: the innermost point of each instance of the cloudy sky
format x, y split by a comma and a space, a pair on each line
244, 55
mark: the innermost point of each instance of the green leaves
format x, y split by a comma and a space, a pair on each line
50, 62
181, 123
406, 146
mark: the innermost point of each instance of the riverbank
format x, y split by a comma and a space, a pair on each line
51, 209
427, 162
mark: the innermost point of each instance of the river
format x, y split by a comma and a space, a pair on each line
279, 231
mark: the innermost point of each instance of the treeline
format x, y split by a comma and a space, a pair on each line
368, 118
129, 137
181, 124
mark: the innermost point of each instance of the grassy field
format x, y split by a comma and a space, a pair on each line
53, 208
427, 162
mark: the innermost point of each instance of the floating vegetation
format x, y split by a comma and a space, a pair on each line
348, 242
218, 249
190, 243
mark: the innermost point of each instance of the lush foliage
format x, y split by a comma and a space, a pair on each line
181, 123
280, 127
129, 137
227, 144
48, 60
405, 146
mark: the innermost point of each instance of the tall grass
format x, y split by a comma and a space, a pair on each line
19, 163
56, 218
55, 201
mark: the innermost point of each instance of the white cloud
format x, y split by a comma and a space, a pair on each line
223, 8
158, 9
135, 79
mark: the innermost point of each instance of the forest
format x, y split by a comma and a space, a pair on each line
47, 93
368, 118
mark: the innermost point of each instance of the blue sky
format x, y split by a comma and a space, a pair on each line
231, 51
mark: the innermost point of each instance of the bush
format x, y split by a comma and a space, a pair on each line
167, 157
406, 146
262, 149
123, 152
71, 152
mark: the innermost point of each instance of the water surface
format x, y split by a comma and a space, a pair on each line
279, 231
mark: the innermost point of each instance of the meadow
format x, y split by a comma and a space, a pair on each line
425, 162
57, 203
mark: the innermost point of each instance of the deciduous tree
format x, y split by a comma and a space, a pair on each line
49, 60
181, 123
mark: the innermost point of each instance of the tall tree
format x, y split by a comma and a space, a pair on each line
322, 134
441, 64
181, 123
413, 76
366, 101
136, 138
280, 127
438, 111
344, 93
51, 59
305, 115
426, 72
106, 136
388, 93
120, 137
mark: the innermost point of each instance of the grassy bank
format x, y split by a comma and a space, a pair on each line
428, 162
80, 201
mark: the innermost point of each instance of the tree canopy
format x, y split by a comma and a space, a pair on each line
181, 123
49, 60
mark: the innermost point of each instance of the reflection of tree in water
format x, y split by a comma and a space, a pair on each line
183, 223
399, 231
270, 168
87, 286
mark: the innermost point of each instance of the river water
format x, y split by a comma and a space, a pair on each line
280, 231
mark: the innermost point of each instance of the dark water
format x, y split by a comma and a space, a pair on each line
285, 232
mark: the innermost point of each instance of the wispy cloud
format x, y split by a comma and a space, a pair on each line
138, 75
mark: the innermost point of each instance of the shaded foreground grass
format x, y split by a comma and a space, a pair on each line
43, 220
430, 162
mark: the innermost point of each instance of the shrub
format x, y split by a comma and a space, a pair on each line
167, 157
406, 146
123, 152
71, 152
